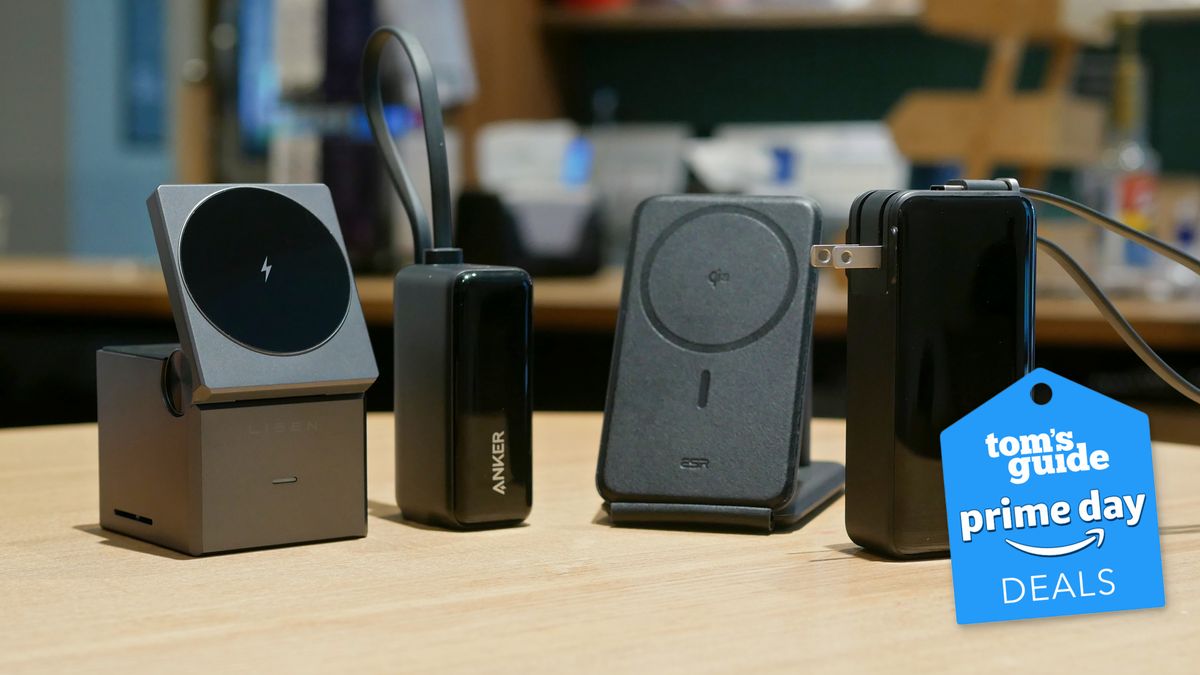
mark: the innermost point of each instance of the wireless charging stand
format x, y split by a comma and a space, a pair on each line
250, 432
709, 401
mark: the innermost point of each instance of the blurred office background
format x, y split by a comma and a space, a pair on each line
563, 115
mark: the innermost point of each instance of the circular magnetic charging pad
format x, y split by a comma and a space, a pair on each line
719, 279
264, 271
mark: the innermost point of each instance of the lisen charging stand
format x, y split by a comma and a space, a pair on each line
250, 432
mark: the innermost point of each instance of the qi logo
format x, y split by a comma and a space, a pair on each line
718, 276
266, 269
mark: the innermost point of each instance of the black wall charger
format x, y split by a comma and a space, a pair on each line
462, 341
940, 320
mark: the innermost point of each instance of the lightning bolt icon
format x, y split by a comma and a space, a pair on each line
266, 269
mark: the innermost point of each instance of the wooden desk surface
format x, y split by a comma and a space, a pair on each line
590, 303
565, 592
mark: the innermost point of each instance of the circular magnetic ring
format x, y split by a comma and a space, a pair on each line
264, 271
719, 279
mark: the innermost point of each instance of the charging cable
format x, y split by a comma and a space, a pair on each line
1109, 311
440, 249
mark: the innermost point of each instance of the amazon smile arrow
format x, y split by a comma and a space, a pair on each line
1096, 535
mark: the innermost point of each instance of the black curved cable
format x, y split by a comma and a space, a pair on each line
1102, 302
1109, 311
1119, 323
435, 141
1088, 213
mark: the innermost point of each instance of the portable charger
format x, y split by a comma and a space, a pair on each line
941, 319
463, 408
706, 423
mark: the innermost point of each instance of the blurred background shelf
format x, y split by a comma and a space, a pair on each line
135, 290
644, 86
570, 304
55, 313
683, 18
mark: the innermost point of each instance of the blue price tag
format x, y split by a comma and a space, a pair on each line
1050, 504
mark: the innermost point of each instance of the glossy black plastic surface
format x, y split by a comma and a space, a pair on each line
964, 329
944, 325
492, 436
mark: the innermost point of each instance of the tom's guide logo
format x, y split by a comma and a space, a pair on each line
1050, 504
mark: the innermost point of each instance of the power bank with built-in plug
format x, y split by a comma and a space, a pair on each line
941, 299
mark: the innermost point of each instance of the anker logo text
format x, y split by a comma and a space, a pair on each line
498, 462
